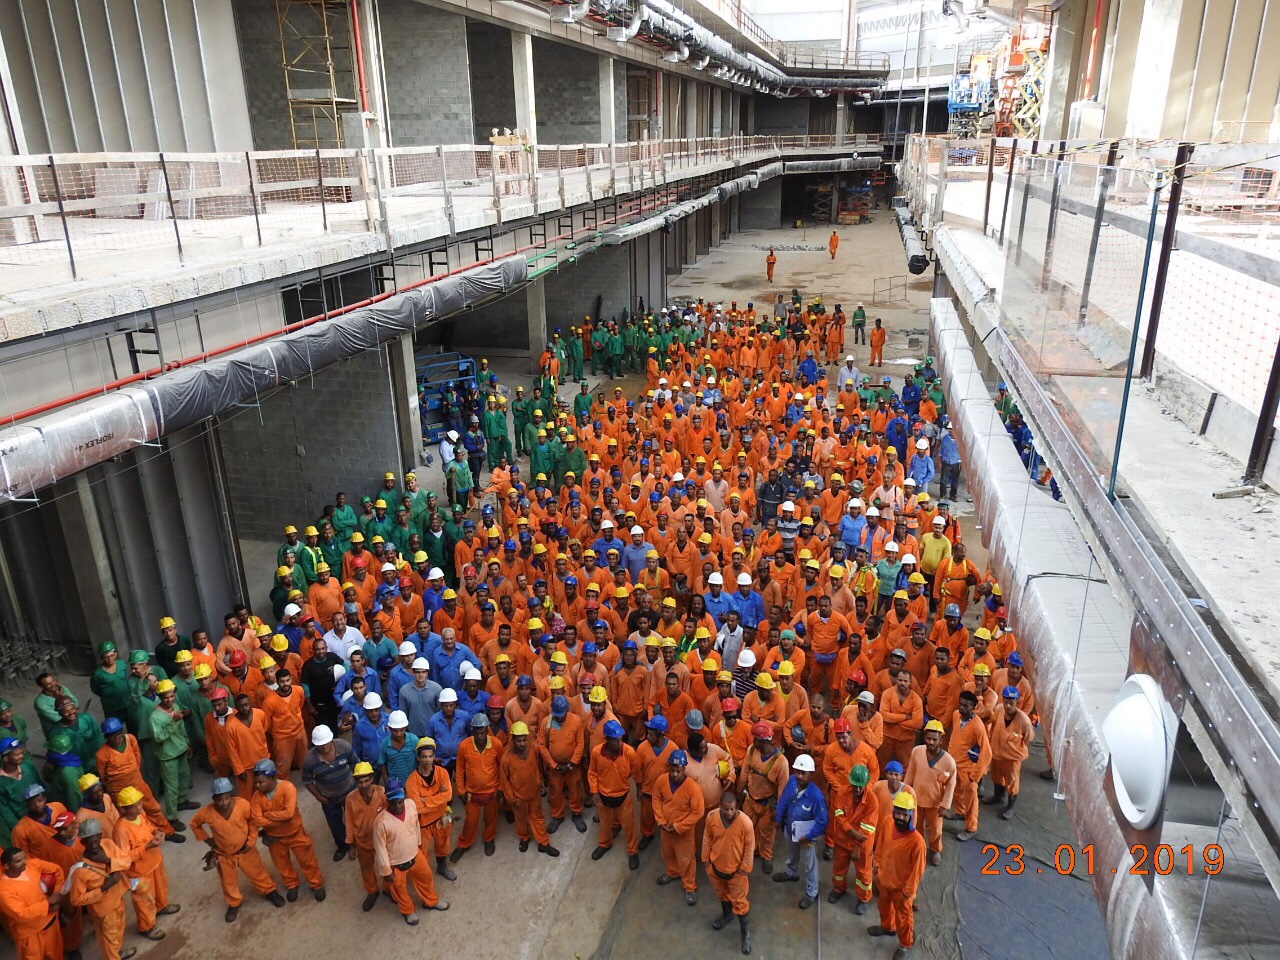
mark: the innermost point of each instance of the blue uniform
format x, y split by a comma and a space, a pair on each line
719, 606
750, 608
447, 735
366, 738
446, 668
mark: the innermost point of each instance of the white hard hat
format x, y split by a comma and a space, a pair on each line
448, 695
857, 502
339, 671
891, 545
387, 566
398, 720
789, 506
746, 658
407, 648
910, 482
873, 511
711, 379
292, 610
372, 702
321, 735
715, 580
849, 358
804, 763
922, 444
452, 435
678, 477
435, 573
420, 663
661, 381
637, 529
744, 579
939, 521
469, 672
606, 524
909, 558
866, 696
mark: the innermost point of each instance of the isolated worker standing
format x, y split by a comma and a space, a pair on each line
878, 334
770, 262
833, 244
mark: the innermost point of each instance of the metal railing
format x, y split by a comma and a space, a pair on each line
66, 217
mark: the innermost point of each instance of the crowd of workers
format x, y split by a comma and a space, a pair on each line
732, 613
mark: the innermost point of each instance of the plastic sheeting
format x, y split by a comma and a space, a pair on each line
842, 165
40, 452
1071, 627
917, 259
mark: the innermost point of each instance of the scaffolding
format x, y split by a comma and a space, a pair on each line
319, 79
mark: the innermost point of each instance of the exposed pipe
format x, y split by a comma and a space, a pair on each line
355, 39
701, 62
572, 13
623, 34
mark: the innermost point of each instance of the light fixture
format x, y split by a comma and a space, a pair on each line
1140, 730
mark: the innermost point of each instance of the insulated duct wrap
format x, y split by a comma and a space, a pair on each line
917, 259
843, 165
1072, 631
37, 454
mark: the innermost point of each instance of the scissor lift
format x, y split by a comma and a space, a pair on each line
434, 372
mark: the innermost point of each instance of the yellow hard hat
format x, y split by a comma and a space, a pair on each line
668, 642
904, 801
501, 658
164, 686
283, 571
983, 633
722, 768
424, 742
128, 796
598, 695
86, 781
291, 529
560, 657
182, 656
534, 624
266, 663
279, 642
785, 669
917, 578
263, 630
653, 640
900, 595
764, 681
519, 729
935, 725
724, 676
202, 671
556, 683
311, 532
363, 769
167, 622
981, 670
380, 503
836, 572
449, 594
701, 633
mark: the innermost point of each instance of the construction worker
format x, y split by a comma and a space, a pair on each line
398, 858
614, 767
275, 815
1011, 736
30, 895
173, 751
477, 771
728, 849
520, 782
878, 335
931, 773
678, 808
140, 840
855, 814
770, 261
970, 747
359, 811
119, 762
98, 885
562, 745
900, 854
833, 243
225, 825
431, 791
763, 775
802, 814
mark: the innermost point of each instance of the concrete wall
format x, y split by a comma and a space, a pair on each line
782, 117
761, 209
619, 101
499, 328
428, 87
334, 431
493, 98
567, 92
263, 79
572, 292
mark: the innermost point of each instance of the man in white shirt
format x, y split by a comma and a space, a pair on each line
342, 638
848, 373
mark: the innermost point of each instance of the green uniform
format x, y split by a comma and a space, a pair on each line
400, 537
169, 736
344, 524
141, 707
575, 358
62, 782
542, 460
582, 405
1005, 407
85, 737
497, 441
460, 472
439, 552
617, 348
287, 547
331, 552
47, 714
112, 691
12, 807
939, 399
576, 461
522, 414
17, 729
599, 349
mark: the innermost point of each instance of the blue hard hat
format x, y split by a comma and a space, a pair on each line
524, 680
570, 581
223, 785
395, 789
628, 644
1010, 693
678, 758
655, 497
1014, 659
264, 768
605, 625
559, 706
111, 725
508, 545
893, 766
613, 730
644, 461
32, 790
12, 743
386, 663
590, 647
658, 723
953, 610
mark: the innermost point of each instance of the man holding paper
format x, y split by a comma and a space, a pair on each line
802, 814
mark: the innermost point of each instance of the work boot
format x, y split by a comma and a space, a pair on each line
645, 841
935, 857
128, 953
524, 845
860, 908
411, 919
995, 797
274, 899
291, 894
511, 817
188, 805
806, 902
665, 879
1048, 774
319, 894
489, 847
726, 914
169, 910
949, 815
901, 953
152, 934
178, 825
231, 914
554, 824
549, 850
785, 877
457, 854
370, 901
879, 931
579, 823
745, 926
1007, 812
835, 896
444, 870
828, 853
176, 838
599, 852
965, 835
690, 898
766, 866
340, 854
633, 861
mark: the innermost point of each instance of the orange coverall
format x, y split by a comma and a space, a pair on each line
653, 764
398, 856
902, 721
727, 853
277, 814
477, 773
25, 910
235, 847
288, 731
876, 343
104, 906
853, 834
123, 768
563, 743
520, 780
1010, 743
934, 786
964, 735
760, 783
609, 777
359, 814
678, 812
899, 865
432, 800
147, 867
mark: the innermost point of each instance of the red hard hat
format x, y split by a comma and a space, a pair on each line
729, 704
841, 726
859, 677
237, 658
762, 731
494, 703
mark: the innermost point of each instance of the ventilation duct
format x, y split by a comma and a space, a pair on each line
571, 13
917, 259
679, 55
623, 34
43, 451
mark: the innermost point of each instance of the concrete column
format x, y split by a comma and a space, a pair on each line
95, 583
404, 386
607, 118
751, 116
717, 214
535, 299
842, 117
1167, 43
1062, 72
522, 72
691, 239
690, 108
717, 112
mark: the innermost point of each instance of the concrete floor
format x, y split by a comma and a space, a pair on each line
575, 908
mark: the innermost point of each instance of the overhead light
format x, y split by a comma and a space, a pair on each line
1140, 731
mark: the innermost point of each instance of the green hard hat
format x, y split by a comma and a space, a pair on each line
859, 776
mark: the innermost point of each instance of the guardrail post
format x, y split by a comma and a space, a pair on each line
173, 211
586, 169
991, 172
324, 211
493, 178
1008, 189
62, 212
560, 176
253, 193
1179, 174
444, 186
1099, 208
